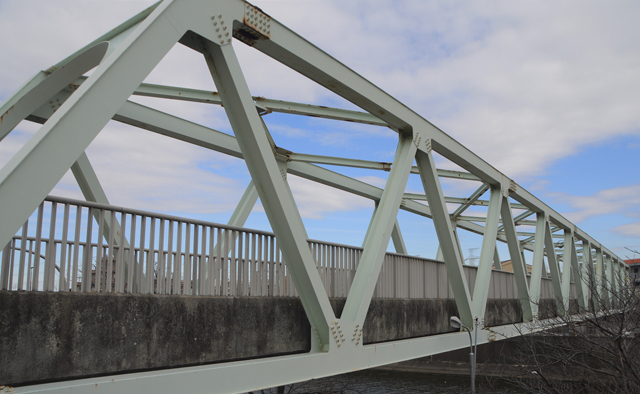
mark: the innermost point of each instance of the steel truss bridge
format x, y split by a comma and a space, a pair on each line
73, 109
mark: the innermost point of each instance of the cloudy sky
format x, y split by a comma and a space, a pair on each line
547, 92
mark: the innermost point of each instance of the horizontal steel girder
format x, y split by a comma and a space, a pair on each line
243, 376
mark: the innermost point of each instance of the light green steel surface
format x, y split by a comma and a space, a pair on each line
537, 265
481, 288
517, 259
134, 49
398, 240
271, 185
379, 234
446, 235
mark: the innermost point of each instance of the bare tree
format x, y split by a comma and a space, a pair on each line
592, 350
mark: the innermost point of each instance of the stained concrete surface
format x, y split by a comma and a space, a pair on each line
49, 336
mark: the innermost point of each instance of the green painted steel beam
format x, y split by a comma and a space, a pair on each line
458, 200
484, 219
446, 236
554, 269
377, 239
483, 277
567, 257
398, 240
252, 375
147, 118
136, 46
372, 165
288, 107
517, 258
470, 201
272, 188
292, 50
140, 116
537, 264
40, 88
38, 166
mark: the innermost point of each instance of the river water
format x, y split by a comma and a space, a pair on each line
388, 382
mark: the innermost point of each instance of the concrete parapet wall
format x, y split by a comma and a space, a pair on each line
47, 336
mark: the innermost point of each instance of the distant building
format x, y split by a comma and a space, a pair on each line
634, 265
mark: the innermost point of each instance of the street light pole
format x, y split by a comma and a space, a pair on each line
456, 323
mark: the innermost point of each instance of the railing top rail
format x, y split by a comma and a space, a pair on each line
139, 212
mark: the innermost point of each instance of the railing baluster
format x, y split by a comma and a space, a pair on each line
12, 262
224, 264
35, 276
187, 260
335, 255
140, 279
50, 256
211, 266
29, 265
272, 266
260, 280
278, 271
232, 263
87, 255
62, 284
343, 272
23, 251
177, 274
253, 266
202, 274
76, 249
161, 260
100, 254
170, 262
326, 266
133, 259
218, 262
264, 289
120, 267
109, 282
246, 263
240, 264
194, 265
151, 258
337, 261
281, 269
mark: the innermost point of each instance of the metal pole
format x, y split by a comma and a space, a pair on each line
475, 357
456, 323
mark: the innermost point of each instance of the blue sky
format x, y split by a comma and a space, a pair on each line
546, 92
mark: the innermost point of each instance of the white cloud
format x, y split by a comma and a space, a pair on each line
140, 169
620, 200
315, 201
373, 180
520, 83
629, 230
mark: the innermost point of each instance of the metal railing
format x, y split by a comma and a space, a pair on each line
78, 246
